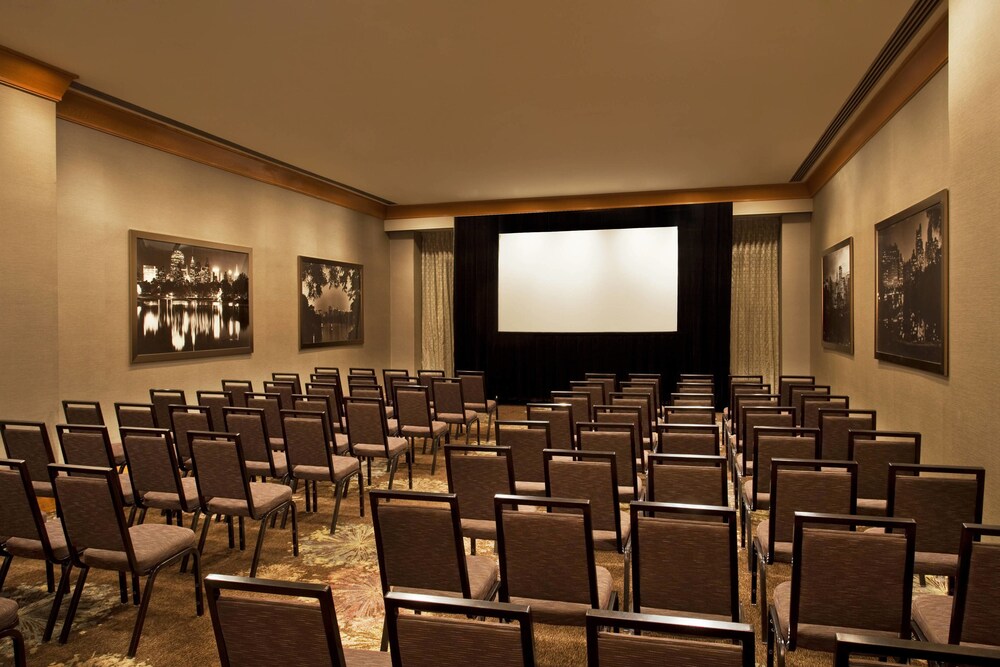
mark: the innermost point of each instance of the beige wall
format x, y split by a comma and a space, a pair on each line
404, 301
945, 137
795, 314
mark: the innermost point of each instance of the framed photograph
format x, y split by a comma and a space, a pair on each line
188, 298
331, 310
911, 286
838, 296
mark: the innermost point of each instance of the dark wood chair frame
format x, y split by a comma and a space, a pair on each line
289, 377
239, 388
106, 438
579, 455
387, 380
846, 412
467, 424
275, 387
201, 394
355, 370
552, 407
850, 645
688, 460
94, 405
17, 643
134, 406
612, 427
327, 370
785, 383
706, 429
834, 400
587, 385
393, 463
171, 450
44, 437
682, 410
797, 392
177, 397
200, 409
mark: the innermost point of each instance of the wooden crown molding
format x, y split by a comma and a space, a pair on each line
601, 201
920, 67
33, 76
104, 116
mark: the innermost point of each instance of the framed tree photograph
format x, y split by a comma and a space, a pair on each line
331, 310
911, 286
188, 298
838, 296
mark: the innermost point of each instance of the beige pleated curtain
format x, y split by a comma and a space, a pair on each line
755, 322
437, 280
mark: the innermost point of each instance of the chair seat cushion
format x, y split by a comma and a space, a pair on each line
488, 407
484, 574
43, 489
465, 417
340, 443
627, 493
479, 529
726, 618
276, 443
118, 452
932, 616
872, 506
29, 548
153, 543
263, 469
763, 499
8, 614
265, 498
356, 657
437, 428
163, 500
605, 540
523, 488
782, 550
810, 636
558, 612
397, 446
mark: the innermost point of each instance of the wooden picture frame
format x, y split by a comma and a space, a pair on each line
331, 303
911, 286
188, 298
838, 296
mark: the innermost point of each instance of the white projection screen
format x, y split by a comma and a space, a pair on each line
588, 281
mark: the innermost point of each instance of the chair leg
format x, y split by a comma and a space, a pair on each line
361, 488
57, 602
123, 587
142, 515
489, 423
3, 568
370, 474
131, 515
232, 539
409, 469
434, 454
135, 589
472, 547
147, 593
49, 577
17, 640
295, 531
256, 551
243, 535
336, 506
74, 602
393, 464
479, 429
204, 533
315, 488
385, 637
199, 605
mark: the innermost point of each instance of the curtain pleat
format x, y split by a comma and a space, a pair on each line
437, 280
755, 323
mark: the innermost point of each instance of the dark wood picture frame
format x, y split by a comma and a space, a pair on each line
911, 286
326, 287
188, 298
838, 296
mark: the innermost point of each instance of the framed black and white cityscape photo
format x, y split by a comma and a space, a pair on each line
838, 296
331, 311
188, 298
911, 286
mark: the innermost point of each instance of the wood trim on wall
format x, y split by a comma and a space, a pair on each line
33, 76
103, 116
601, 201
919, 68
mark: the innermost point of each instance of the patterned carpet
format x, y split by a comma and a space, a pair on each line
174, 636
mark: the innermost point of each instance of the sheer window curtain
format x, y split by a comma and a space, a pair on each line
755, 320
437, 282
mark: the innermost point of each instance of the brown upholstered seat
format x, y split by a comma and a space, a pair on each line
325, 404
270, 403
560, 419
284, 389
90, 445
812, 403
185, 418
687, 479
239, 390
136, 415
368, 437
161, 400
580, 403
90, 413
449, 407
154, 475
785, 383
414, 418
331, 388
29, 442
877, 650
262, 460
622, 439
835, 424
8, 628
475, 476
527, 440
289, 377
875, 451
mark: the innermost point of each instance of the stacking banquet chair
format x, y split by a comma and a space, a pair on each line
389, 375
813, 403
698, 439
414, 418
687, 479
731, 420
83, 412
239, 390
8, 629
526, 440
625, 415
215, 401
785, 383
798, 393
608, 380
155, 476
307, 440
754, 410
972, 615
262, 462
688, 414
709, 643
136, 415
682, 567
475, 475
807, 485
325, 405
162, 399
224, 488
686, 386
29, 442
84, 445
474, 390
652, 378
622, 440
449, 407
647, 414
332, 389
580, 403
875, 451
547, 559
396, 381
645, 388
696, 400
418, 538
28, 535
850, 648
186, 418
284, 389
560, 419
742, 381
89, 502
355, 370
271, 405
592, 387
326, 371
289, 377
297, 617
425, 378
429, 639
835, 424
368, 437
827, 552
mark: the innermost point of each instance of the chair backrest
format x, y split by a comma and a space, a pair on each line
251, 424
742, 381
527, 440
560, 419
397, 381
879, 566
356, 382
747, 401
578, 400
89, 502
20, 515
418, 537
797, 392
162, 399
874, 451
307, 438
83, 412
184, 418
752, 417
136, 415
693, 387
785, 383
475, 475
29, 442
85, 445
549, 554
609, 380
388, 375
939, 498
687, 479
332, 389
837, 423
850, 647
699, 439
644, 387
690, 641
448, 397
975, 616
425, 376
738, 388
429, 639
215, 401
622, 439
271, 405
285, 389
589, 476
366, 423
644, 401
780, 442
152, 462
805, 487
357, 370
670, 552
592, 387
298, 614
688, 414
813, 403
288, 377
326, 371
219, 467
697, 400
649, 378
239, 390
413, 406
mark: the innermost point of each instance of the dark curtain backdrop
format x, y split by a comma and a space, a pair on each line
527, 366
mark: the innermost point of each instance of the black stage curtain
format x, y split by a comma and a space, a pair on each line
527, 366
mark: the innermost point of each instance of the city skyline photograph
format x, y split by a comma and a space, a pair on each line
330, 303
838, 296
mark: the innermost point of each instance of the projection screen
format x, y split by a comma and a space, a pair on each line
606, 280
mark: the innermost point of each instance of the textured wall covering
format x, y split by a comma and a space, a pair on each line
755, 324
437, 293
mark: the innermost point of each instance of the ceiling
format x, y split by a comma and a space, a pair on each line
459, 100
